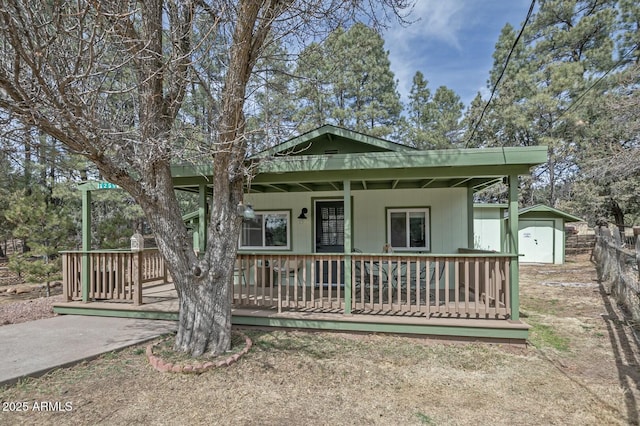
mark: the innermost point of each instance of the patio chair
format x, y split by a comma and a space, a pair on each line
367, 277
239, 271
287, 269
432, 286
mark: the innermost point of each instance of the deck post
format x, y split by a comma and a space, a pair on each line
137, 267
347, 246
202, 217
86, 243
471, 241
513, 248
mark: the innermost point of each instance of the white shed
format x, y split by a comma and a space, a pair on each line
541, 235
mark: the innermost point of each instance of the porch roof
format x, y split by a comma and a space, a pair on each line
304, 164
474, 168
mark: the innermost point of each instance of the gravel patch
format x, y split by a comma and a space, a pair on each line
28, 310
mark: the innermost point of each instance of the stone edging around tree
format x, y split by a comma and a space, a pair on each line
198, 367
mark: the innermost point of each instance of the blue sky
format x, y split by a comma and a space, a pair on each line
451, 44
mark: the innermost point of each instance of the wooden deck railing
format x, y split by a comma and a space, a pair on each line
301, 281
464, 285
113, 274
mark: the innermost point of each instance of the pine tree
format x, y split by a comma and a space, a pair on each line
434, 122
347, 81
567, 45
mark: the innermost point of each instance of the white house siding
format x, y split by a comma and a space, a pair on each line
487, 228
448, 215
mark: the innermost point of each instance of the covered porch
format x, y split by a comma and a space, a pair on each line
466, 296
326, 204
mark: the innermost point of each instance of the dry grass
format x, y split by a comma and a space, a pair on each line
582, 368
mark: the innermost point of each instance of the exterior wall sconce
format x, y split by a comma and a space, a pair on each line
303, 213
246, 212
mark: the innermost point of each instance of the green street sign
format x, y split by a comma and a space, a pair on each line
107, 185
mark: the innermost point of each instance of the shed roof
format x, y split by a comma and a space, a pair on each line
541, 209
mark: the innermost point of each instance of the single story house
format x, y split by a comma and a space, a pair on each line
346, 231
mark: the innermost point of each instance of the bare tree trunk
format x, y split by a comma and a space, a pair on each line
205, 311
618, 215
58, 85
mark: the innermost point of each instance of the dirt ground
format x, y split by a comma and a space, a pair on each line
581, 368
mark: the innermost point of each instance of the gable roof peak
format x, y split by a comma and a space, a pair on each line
329, 134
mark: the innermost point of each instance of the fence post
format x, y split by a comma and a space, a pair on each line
638, 254
137, 277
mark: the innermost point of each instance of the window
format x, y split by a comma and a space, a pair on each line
268, 230
408, 229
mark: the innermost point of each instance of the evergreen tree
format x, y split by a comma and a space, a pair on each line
629, 35
347, 81
271, 118
447, 110
434, 122
46, 226
567, 45
419, 112
312, 88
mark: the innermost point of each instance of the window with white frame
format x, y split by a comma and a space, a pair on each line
267, 230
408, 229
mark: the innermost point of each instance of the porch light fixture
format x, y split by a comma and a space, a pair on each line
303, 213
246, 212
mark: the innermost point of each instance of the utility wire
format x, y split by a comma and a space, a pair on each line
504, 68
595, 83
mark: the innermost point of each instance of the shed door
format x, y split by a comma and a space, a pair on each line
535, 241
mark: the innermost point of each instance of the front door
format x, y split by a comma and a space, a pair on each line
329, 237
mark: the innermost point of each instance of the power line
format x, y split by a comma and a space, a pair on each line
504, 68
595, 83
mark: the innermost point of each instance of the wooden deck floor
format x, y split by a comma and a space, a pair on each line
160, 302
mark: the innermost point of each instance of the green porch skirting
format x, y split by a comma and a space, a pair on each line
515, 332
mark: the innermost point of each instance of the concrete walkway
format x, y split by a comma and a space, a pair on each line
36, 347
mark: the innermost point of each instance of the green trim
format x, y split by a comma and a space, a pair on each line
191, 217
329, 131
490, 205
97, 185
348, 244
525, 157
86, 243
355, 326
470, 218
119, 313
548, 212
488, 163
351, 325
513, 245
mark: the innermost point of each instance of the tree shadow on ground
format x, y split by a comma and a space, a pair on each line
625, 346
